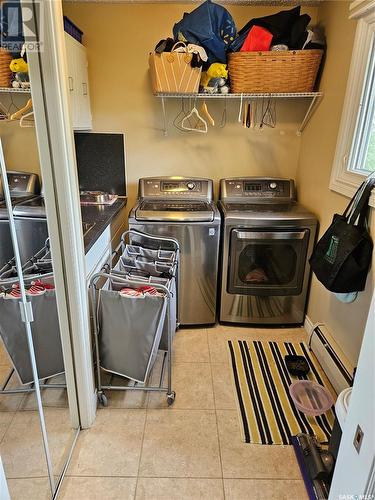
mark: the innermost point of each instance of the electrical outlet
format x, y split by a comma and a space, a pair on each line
358, 438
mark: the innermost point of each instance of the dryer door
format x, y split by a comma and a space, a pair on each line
267, 261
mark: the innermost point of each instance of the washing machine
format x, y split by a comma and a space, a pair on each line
267, 240
183, 208
22, 186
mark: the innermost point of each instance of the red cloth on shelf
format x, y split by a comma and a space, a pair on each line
258, 39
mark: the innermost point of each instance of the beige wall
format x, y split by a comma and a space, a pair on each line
119, 38
345, 321
20, 147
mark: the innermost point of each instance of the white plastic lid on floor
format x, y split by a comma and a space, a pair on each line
342, 404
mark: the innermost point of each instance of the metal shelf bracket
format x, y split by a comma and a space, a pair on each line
310, 111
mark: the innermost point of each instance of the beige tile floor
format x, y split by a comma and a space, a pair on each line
139, 448
21, 447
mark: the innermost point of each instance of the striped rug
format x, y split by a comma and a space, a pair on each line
266, 410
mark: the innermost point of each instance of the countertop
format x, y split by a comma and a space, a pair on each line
102, 215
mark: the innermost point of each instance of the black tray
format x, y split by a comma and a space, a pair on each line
297, 365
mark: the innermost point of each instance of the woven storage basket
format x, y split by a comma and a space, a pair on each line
274, 71
5, 73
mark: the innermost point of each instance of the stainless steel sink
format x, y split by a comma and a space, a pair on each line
87, 226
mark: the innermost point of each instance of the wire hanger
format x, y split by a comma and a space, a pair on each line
12, 108
269, 114
223, 121
180, 116
4, 115
199, 125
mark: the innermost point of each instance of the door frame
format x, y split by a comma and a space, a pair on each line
49, 89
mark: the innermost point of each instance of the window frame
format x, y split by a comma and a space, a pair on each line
346, 181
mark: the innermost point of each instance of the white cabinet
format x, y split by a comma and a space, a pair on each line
98, 254
78, 84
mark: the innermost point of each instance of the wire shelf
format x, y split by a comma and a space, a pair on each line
166, 95
315, 98
11, 90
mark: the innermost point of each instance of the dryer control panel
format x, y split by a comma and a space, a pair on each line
257, 190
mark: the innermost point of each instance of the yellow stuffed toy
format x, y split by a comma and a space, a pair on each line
216, 70
20, 69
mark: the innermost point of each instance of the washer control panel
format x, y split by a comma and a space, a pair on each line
21, 183
257, 189
181, 186
175, 187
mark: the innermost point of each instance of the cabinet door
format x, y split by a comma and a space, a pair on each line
84, 121
78, 84
72, 78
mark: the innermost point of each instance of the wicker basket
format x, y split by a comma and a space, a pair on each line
274, 71
5, 73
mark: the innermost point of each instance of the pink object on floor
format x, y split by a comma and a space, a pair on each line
310, 398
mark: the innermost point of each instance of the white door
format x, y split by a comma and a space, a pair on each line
354, 475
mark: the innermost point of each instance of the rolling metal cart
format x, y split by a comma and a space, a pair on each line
130, 328
45, 326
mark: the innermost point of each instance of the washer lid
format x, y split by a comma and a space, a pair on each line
16, 200
175, 211
34, 208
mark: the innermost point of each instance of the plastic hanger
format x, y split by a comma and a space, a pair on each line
253, 114
22, 111
240, 110
248, 115
27, 120
244, 117
207, 114
200, 124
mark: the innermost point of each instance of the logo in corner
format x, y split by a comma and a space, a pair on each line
21, 26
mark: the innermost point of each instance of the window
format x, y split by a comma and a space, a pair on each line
355, 150
362, 154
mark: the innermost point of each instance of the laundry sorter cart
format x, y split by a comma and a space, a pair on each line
135, 312
45, 325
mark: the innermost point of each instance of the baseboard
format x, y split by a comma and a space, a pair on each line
308, 325
329, 354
